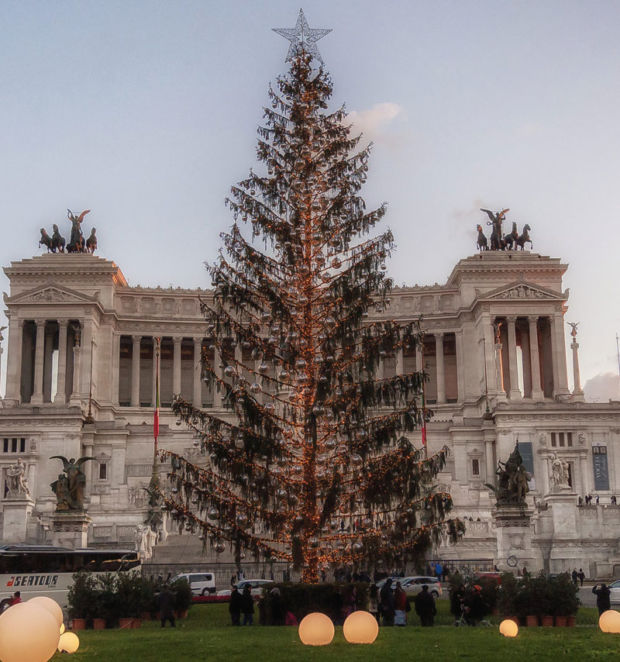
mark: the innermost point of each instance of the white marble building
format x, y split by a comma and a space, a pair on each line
81, 339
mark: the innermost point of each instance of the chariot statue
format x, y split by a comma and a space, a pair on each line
512, 481
69, 488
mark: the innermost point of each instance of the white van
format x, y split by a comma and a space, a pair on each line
201, 583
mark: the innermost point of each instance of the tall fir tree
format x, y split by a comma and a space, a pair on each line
311, 464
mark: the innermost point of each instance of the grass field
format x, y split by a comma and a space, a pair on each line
207, 635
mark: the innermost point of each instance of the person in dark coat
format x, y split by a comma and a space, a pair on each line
387, 603
603, 594
247, 605
425, 607
166, 606
278, 612
234, 606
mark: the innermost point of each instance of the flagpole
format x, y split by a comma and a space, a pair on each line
156, 412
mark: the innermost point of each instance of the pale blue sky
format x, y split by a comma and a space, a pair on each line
145, 112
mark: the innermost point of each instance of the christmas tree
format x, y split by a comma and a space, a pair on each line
312, 464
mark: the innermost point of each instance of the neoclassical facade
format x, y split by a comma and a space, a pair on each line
81, 382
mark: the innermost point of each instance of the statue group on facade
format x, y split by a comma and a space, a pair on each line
512, 481
16, 482
500, 241
69, 488
559, 475
77, 244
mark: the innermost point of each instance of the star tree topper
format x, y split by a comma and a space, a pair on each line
302, 37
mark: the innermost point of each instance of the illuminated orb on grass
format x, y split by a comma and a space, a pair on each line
62, 628
49, 605
508, 628
360, 627
316, 629
610, 621
68, 642
28, 633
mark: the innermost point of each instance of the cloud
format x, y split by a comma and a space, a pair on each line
374, 122
602, 387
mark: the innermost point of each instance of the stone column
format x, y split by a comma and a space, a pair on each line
116, 367
441, 371
489, 460
577, 390
14, 362
515, 393
75, 393
400, 361
176, 366
197, 396
154, 377
490, 369
135, 371
460, 367
499, 368
537, 392
560, 377
217, 387
37, 395
526, 364
61, 381
418, 357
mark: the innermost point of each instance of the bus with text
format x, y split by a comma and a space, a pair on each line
37, 570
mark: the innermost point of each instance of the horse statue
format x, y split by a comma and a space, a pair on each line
58, 241
91, 242
525, 238
46, 240
482, 240
76, 244
497, 241
511, 239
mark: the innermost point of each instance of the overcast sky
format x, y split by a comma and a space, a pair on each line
146, 112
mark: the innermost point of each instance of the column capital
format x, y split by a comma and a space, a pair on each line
136, 339
63, 324
197, 341
511, 319
177, 339
40, 322
439, 334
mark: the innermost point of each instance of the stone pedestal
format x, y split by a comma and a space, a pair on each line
514, 539
70, 529
17, 512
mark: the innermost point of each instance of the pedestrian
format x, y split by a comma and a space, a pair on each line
574, 576
233, 581
597, 499
234, 606
16, 599
372, 601
438, 570
247, 605
582, 575
603, 594
400, 606
387, 602
580, 501
425, 607
166, 606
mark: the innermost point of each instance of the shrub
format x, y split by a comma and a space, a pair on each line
182, 594
82, 596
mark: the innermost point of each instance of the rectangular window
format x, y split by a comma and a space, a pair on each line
569, 438
22, 445
600, 467
561, 436
527, 455
6, 445
475, 467
14, 445
103, 471
553, 440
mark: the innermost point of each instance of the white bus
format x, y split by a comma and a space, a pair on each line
45, 570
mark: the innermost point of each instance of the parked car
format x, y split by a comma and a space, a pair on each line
413, 585
201, 583
256, 586
614, 589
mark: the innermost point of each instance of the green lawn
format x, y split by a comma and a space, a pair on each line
206, 635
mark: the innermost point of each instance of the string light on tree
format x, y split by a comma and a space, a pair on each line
312, 464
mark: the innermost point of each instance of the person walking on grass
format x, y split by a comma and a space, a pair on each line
603, 595
400, 606
166, 606
247, 606
425, 607
234, 606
